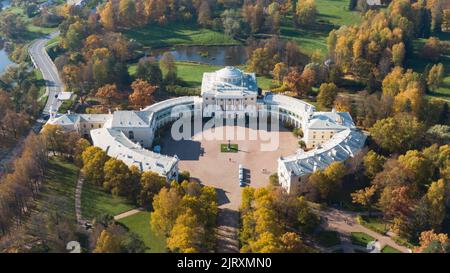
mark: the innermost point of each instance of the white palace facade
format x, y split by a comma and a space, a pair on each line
229, 92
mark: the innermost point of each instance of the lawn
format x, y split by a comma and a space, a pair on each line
331, 14
361, 239
94, 201
139, 223
328, 238
416, 62
59, 186
389, 249
155, 35
33, 31
376, 224
233, 148
336, 12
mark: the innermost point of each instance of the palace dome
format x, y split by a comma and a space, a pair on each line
230, 74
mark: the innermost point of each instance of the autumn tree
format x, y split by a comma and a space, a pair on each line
116, 177
262, 61
279, 72
186, 234
81, 145
373, 163
127, 12
109, 93
299, 83
306, 11
329, 181
204, 13
435, 76
93, 162
365, 197
166, 205
151, 184
148, 70
343, 104
266, 214
107, 243
433, 49
107, 16
292, 243
398, 53
327, 94
142, 93
399, 133
431, 242
54, 137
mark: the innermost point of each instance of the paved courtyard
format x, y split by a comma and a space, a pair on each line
205, 162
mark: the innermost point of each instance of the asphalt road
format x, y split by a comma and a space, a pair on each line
54, 87
44, 63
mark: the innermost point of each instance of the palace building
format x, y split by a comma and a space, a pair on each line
226, 93
229, 91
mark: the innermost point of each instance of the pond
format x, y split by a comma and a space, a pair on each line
4, 59
214, 55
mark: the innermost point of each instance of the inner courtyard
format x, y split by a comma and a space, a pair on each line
205, 161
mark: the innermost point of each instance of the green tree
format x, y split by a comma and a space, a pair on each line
307, 219
74, 36
148, 70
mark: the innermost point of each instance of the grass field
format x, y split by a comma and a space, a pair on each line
361, 239
94, 201
59, 185
33, 32
336, 12
233, 148
389, 249
331, 14
417, 63
139, 223
154, 35
375, 223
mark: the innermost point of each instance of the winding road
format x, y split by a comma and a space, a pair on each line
54, 87
44, 63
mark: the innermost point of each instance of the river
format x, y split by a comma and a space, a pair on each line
4, 59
